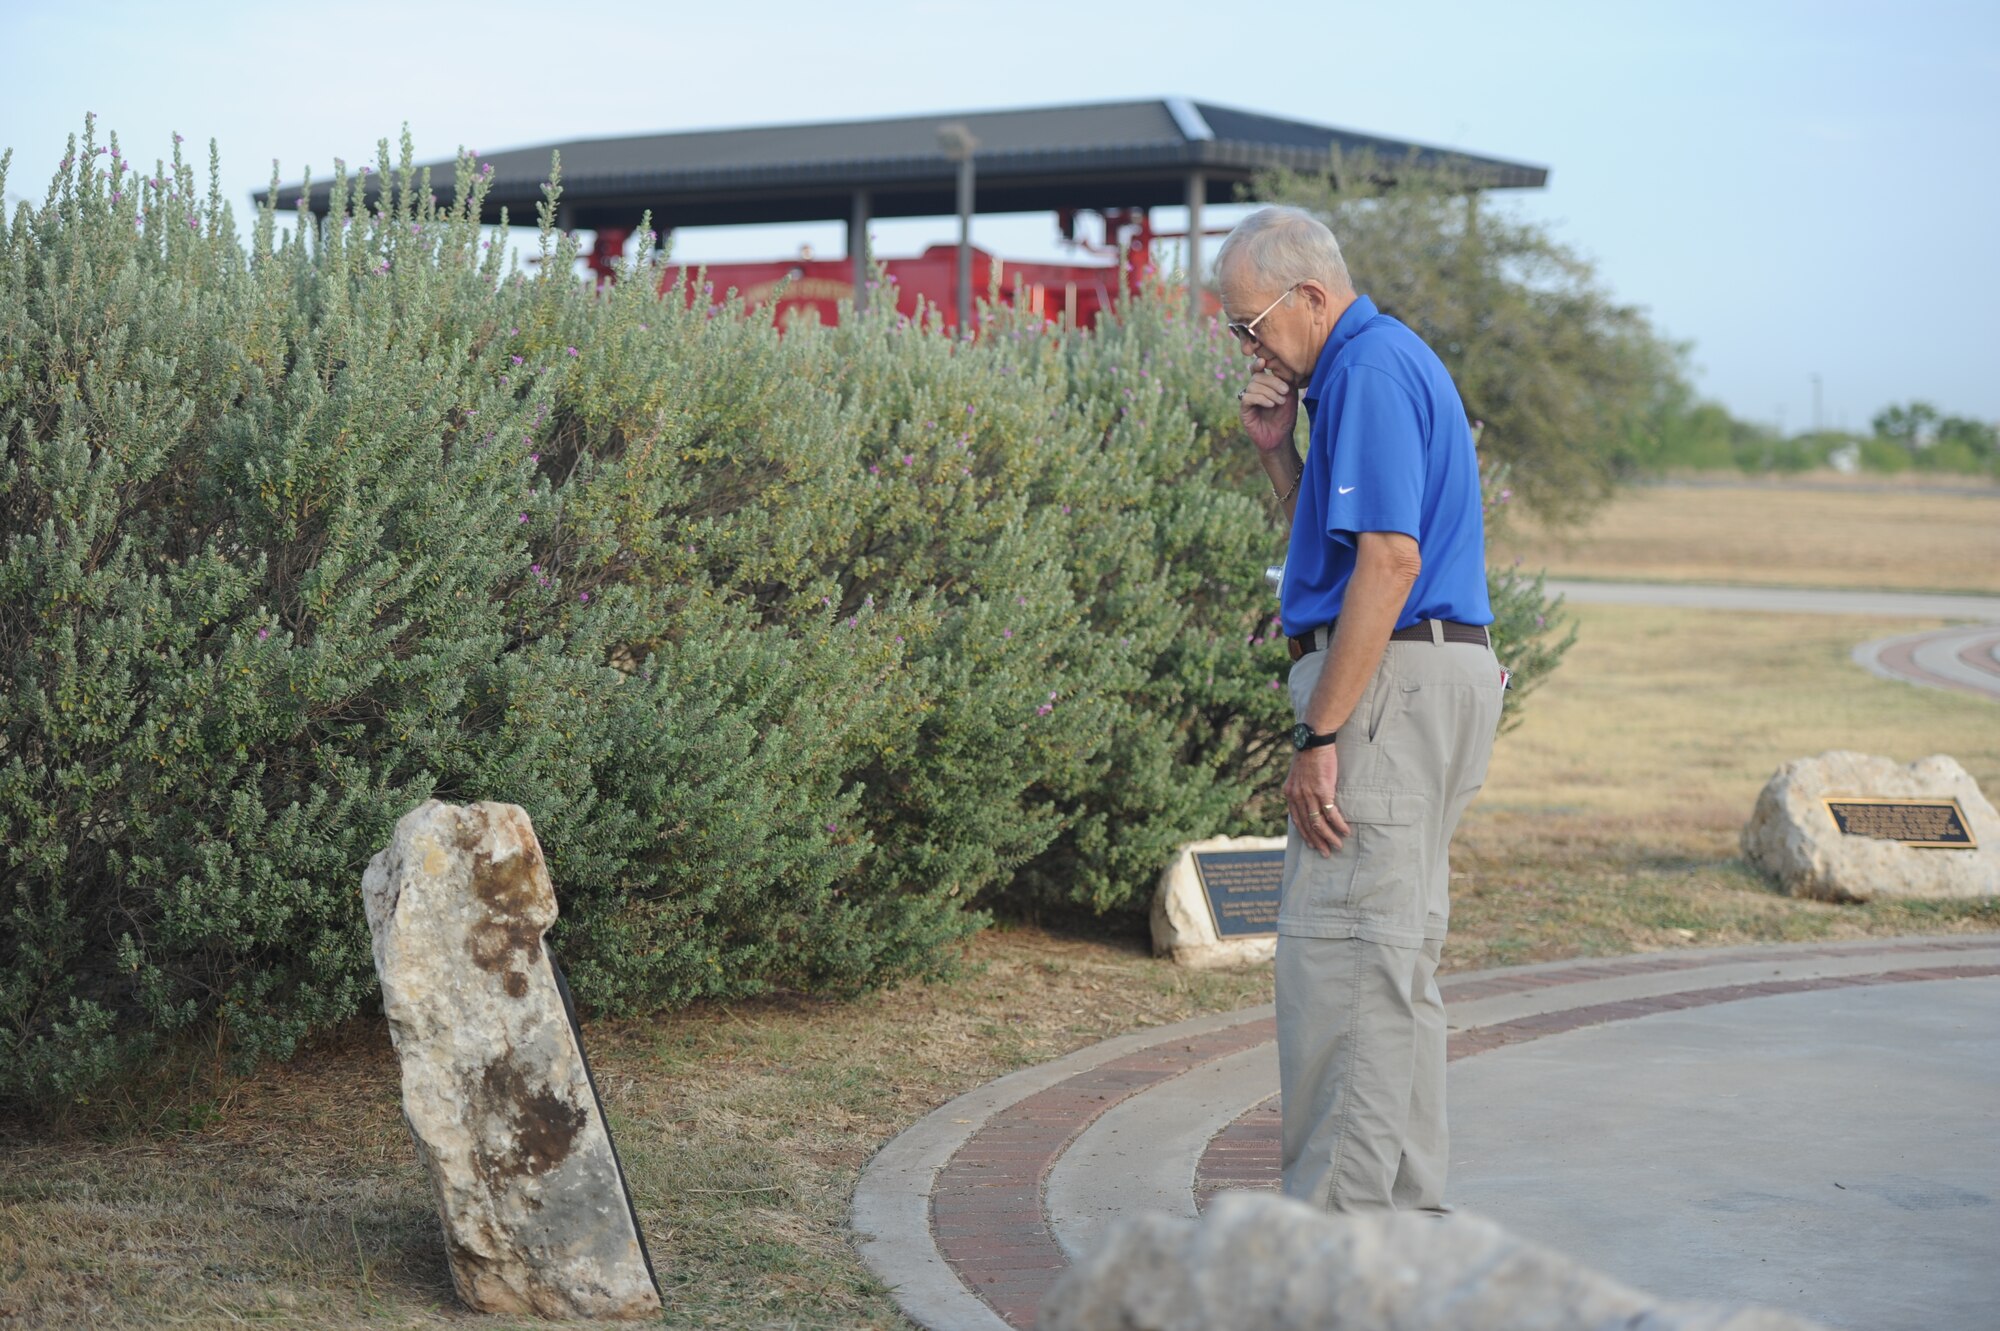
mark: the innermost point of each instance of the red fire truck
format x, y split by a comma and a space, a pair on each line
1072, 294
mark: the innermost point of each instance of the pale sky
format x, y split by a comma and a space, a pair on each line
1796, 188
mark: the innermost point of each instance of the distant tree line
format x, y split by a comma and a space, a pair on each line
1681, 433
1576, 390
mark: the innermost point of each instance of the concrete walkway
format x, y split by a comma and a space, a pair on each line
1811, 1127
1964, 658
1782, 600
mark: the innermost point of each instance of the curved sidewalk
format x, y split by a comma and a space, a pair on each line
973, 1212
1964, 658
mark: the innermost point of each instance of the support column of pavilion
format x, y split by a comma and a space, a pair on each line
1197, 194
857, 247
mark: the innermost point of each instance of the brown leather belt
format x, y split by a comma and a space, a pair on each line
1450, 630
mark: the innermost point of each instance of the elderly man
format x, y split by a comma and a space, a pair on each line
1397, 696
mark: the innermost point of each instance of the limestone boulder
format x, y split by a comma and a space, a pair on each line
1184, 926
496, 1092
1793, 838
1258, 1262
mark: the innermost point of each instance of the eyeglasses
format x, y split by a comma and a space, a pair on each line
1247, 333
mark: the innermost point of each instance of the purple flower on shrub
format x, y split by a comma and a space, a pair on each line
583, 596
909, 459
1006, 633
1276, 685
874, 469
524, 517
1044, 710
263, 634
572, 351
515, 359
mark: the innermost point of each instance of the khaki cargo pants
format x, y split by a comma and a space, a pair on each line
1361, 1033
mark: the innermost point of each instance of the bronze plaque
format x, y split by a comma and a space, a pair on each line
1914, 822
1242, 888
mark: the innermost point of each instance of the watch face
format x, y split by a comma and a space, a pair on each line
1302, 735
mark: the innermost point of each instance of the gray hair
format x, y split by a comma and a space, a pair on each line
1285, 246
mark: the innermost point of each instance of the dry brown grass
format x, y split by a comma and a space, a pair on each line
1610, 818
1608, 826
743, 1129
1810, 536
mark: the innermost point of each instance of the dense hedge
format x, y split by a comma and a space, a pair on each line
802, 651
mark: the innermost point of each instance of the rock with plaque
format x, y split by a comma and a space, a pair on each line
1217, 903
1852, 827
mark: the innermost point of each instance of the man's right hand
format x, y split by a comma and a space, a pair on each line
1270, 410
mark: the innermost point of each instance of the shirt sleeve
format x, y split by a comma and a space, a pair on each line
1375, 443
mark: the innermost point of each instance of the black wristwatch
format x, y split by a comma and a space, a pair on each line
1304, 737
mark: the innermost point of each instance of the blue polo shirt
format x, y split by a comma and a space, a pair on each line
1389, 450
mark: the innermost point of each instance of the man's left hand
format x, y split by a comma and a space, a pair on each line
1309, 798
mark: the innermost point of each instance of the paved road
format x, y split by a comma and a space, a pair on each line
1980, 491
1783, 600
1964, 658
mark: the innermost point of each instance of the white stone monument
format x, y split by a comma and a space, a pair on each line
495, 1088
1217, 903
1898, 840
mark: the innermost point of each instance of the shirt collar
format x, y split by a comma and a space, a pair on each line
1351, 321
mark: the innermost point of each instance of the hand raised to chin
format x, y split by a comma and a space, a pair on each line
1270, 409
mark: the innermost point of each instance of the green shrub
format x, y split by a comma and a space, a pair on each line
803, 651
1950, 455
1878, 454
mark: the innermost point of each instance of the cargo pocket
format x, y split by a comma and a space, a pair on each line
1372, 887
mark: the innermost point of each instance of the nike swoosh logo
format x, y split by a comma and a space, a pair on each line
1349, 489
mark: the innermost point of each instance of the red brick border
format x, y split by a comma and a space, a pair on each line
1982, 654
1900, 658
986, 1204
